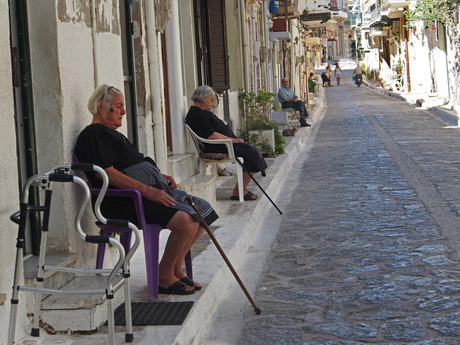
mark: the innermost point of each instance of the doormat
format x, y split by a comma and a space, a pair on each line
154, 313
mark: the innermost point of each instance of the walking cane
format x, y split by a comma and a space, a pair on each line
258, 185
219, 248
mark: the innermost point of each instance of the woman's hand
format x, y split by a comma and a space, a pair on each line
237, 140
171, 182
123, 181
158, 196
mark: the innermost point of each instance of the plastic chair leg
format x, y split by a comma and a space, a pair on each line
100, 255
188, 265
239, 175
151, 248
125, 240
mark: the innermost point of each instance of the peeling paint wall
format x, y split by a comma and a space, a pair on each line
141, 72
64, 56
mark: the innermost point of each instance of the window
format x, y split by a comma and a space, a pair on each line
212, 44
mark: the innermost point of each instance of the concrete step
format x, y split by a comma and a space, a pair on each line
181, 166
2, 298
53, 280
80, 312
201, 186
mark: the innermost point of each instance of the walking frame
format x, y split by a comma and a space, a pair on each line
64, 173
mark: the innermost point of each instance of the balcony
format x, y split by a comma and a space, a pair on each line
396, 3
288, 9
313, 41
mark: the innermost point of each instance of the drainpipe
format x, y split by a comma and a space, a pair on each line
447, 64
268, 77
275, 65
155, 89
254, 47
175, 79
244, 44
93, 37
406, 43
291, 28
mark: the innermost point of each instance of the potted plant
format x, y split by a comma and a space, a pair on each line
257, 128
399, 67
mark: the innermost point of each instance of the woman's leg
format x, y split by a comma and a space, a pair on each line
184, 232
180, 260
246, 180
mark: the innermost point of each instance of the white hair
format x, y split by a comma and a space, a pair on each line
202, 93
103, 93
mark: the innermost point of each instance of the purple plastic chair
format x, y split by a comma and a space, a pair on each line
151, 233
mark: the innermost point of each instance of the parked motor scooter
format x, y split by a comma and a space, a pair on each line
358, 79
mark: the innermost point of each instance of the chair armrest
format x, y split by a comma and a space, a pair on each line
134, 194
227, 142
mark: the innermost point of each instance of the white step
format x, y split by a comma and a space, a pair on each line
181, 166
201, 186
80, 312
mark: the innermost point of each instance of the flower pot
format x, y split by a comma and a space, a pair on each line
263, 139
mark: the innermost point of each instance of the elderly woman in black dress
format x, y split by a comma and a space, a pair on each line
100, 143
207, 125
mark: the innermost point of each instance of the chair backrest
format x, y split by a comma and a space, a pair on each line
134, 194
196, 140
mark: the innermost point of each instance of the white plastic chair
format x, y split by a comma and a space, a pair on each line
210, 158
292, 115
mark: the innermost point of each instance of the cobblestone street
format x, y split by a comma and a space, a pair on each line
367, 251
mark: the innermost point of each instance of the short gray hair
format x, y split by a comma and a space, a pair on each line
202, 93
102, 93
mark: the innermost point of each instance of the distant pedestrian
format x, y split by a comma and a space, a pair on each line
337, 73
327, 76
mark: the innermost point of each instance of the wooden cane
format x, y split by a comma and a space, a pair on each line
221, 251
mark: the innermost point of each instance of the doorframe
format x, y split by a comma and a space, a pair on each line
129, 77
24, 115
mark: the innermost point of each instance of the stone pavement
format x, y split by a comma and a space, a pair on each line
368, 248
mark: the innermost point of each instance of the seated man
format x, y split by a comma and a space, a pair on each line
289, 99
100, 143
205, 124
312, 83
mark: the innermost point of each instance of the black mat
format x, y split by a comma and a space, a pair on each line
154, 313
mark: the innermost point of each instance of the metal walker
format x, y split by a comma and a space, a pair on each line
64, 173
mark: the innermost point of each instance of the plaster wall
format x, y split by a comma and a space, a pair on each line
143, 87
64, 67
234, 109
234, 46
419, 60
188, 49
9, 202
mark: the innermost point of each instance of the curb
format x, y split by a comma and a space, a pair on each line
201, 314
449, 117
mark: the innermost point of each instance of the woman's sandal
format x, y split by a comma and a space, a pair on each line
190, 282
177, 288
247, 197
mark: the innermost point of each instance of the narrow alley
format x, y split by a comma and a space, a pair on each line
365, 250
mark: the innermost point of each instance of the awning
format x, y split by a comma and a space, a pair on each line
313, 41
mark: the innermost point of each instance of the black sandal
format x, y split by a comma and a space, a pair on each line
177, 288
190, 282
